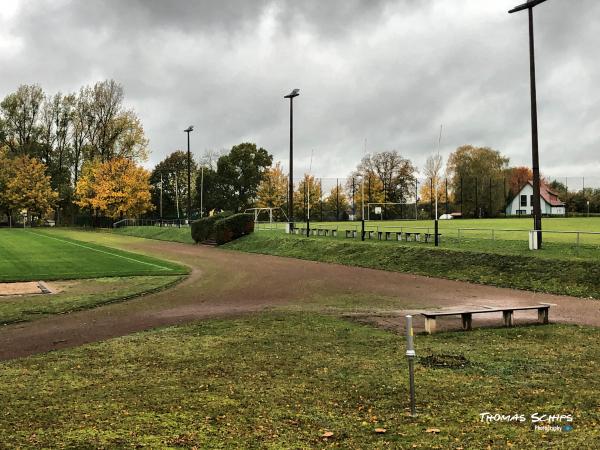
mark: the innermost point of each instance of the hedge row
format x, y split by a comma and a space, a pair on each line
223, 227
203, 229
233, 227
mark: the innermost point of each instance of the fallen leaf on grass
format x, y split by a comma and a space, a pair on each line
432, 430
380, 430
327, 434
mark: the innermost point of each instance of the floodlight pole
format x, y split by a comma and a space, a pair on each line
202, 192
188, 130
161, 198
294, 93
537, 210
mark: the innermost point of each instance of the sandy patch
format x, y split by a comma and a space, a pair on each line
25, 288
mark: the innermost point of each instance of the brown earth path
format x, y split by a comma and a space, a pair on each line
226, 283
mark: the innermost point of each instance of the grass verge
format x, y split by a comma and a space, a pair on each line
171, 234
568, 277
303, 381
79, 295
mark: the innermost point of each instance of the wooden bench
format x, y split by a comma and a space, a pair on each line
430, 237
467, 315
410, 234
350, 233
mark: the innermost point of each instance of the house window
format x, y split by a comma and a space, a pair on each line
531, 200
523, 200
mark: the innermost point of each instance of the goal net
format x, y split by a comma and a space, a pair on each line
267, 218
391, 211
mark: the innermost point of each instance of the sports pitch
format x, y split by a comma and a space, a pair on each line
559, 229
32, 254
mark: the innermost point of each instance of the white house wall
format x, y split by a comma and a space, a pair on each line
514, 207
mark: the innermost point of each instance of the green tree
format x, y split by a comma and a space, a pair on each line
395, 176
21, 111
476, 176
239, 173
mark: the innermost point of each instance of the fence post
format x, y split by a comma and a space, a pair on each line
410, 354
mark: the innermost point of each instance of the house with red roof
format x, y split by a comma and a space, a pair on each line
522, 203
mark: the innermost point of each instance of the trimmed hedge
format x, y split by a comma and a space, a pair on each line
203, 229
233, 227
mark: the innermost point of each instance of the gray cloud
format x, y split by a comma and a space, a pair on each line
388, 71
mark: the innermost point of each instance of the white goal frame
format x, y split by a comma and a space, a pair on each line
388, 204
257, 211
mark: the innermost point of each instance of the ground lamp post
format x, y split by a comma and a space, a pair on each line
188, 130
537, 211
291, 95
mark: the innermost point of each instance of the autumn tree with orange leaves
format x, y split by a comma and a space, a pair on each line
25, 186
115, 188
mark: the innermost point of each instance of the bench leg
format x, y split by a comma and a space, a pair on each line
508, 318
467, 321
543, 315
430, 325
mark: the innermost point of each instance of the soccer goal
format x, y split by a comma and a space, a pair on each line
267, 218
391, 211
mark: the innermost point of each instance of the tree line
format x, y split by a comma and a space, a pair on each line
476, 181
61, 149
77, 155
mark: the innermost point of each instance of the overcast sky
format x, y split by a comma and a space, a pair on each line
387, 71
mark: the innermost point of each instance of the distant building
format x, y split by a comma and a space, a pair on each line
522, 203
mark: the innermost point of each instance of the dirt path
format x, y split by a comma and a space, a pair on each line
225, 283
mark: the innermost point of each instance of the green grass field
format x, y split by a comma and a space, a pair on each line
502, 236
287, 380
503, 229
34, 254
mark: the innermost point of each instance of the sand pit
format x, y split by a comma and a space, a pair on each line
26, 288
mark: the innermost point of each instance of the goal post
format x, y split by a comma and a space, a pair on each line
268, 217
391, 211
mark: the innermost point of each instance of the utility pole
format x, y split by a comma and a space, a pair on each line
537, 210
161, 198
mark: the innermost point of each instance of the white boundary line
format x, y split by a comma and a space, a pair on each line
101, 251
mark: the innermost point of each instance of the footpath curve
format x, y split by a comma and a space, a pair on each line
225, 283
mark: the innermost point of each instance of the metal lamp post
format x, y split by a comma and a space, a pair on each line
202, 192
537, 210
291, 95
188, 130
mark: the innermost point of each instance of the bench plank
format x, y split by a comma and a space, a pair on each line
467, 315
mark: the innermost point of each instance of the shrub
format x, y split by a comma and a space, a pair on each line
203, 229
233, 227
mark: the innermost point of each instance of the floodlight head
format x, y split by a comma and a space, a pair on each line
294, 93
189, 129
530, 4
